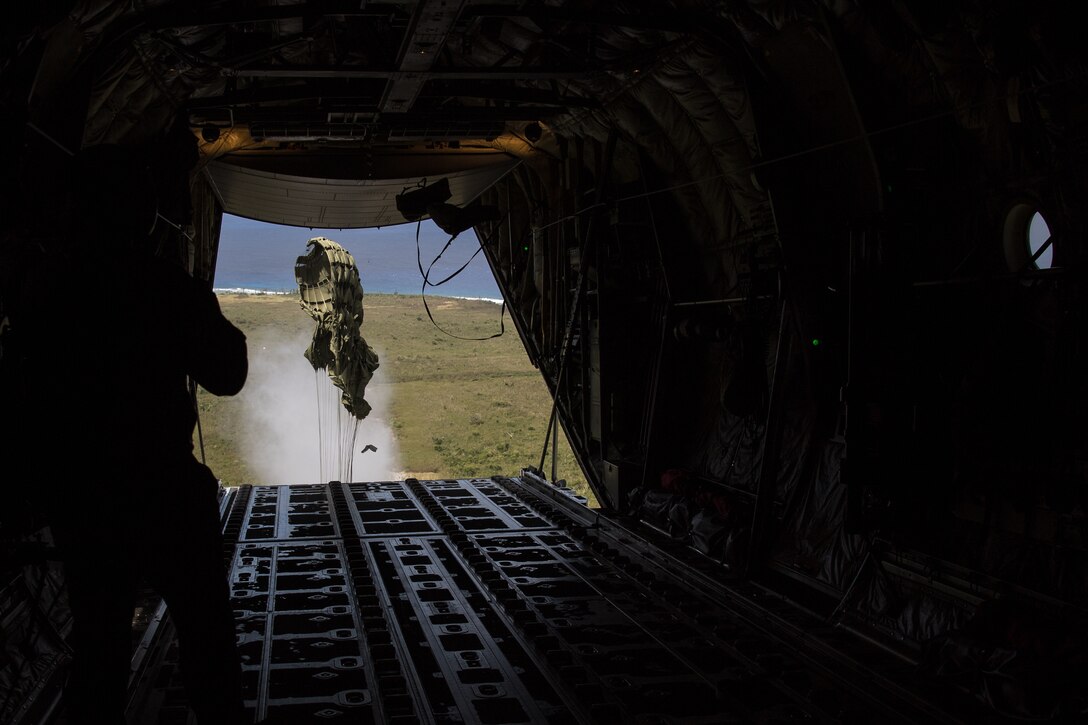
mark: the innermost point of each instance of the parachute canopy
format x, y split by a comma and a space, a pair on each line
330, 290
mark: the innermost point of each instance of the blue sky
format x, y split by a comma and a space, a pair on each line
260, 255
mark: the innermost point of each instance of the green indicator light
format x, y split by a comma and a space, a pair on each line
525, 249
815, 342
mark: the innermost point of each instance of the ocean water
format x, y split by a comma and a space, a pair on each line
259, 256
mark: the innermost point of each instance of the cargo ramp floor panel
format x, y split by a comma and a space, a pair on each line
502, 601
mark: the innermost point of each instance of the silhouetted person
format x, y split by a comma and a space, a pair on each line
114, 333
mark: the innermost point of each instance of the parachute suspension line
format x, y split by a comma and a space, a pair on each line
331, 292
347, 444
331, 454
320, 428
332, 434
336, 431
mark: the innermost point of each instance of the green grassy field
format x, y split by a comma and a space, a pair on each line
457, 408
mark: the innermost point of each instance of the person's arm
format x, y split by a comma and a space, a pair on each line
213, 351
218, 358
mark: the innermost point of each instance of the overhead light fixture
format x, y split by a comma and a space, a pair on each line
212, 122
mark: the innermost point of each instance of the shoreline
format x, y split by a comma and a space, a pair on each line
255, 292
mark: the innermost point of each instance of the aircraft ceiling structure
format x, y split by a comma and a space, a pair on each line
303, 201
774, 258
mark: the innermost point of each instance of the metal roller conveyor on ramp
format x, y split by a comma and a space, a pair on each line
499, 601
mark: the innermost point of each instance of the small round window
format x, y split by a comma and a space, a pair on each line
1029, 243
1040, 245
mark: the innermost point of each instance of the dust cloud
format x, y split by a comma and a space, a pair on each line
279, 419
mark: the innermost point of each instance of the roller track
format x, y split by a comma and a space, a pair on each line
502, 601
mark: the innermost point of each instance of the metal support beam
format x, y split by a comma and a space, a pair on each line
354, 71
370, 91
579, 292
542, 15
313, 90
363, 113
772, 440
431, 25
728, 301
503, 92
236, 14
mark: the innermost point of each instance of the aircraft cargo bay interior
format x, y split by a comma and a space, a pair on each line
803, 281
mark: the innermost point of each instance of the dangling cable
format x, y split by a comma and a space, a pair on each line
427, 283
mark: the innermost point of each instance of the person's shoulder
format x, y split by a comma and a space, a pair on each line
168, 277
166, 269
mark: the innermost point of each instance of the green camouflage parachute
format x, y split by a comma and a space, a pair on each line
328, 283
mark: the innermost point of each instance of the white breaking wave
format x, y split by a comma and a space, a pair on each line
280, 293
251, 291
